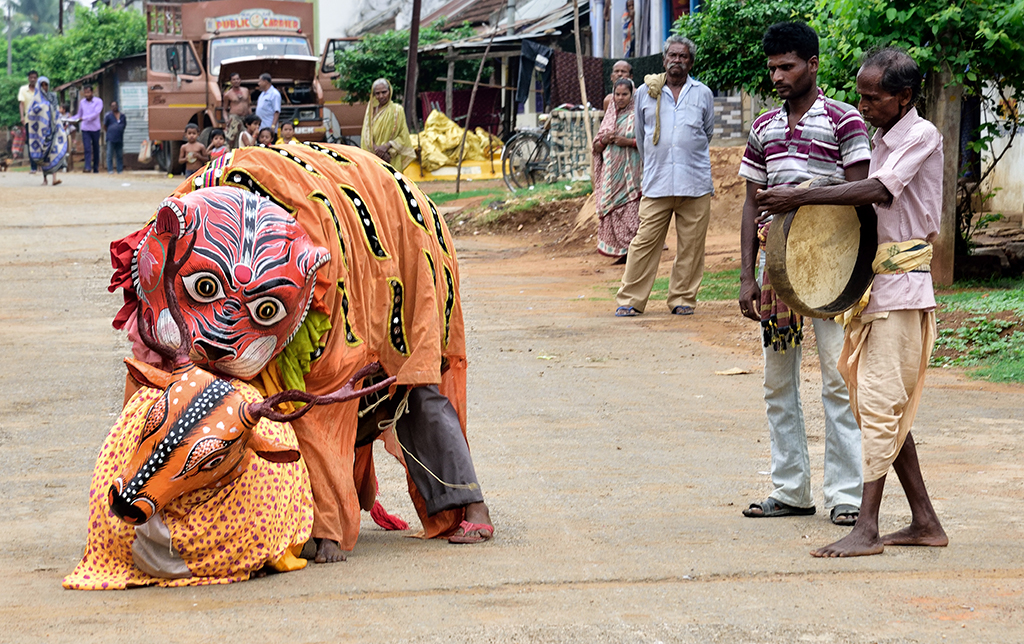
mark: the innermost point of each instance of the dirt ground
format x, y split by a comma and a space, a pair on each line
614, 459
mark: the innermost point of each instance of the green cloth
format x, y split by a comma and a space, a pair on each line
294, 362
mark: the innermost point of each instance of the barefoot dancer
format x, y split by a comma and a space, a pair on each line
889, 342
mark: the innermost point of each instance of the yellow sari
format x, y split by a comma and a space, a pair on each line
388, 127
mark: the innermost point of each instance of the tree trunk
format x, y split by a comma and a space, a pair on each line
943, 109
412, 68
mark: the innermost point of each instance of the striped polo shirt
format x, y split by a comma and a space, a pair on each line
829, 138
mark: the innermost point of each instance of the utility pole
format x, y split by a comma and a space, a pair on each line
10, 34
60, 17
412, 68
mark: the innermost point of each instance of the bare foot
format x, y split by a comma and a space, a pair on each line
329, 552
855, 544
57, 181
917, 536
478, 513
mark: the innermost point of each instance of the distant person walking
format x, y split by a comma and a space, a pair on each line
268, 105
113, 124
618, 170
237, 105
90, 108
47, 142
385, 132
25, 95
675, 118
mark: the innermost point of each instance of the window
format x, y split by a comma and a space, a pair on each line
334, 46
163, 57
223, 49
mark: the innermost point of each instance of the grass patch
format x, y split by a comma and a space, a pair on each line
981, 327
721, 285
529, 198
444, 197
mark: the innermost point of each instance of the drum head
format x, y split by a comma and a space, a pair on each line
819, 258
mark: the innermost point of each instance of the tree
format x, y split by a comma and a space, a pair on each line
978, 43
98, 35
383, 56
36, 16
727, 34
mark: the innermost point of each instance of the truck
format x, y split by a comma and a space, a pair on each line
193, 48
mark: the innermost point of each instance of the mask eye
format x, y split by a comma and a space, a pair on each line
267, 311
213, 463
203, 287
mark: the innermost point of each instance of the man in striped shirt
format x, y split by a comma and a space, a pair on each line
809, 136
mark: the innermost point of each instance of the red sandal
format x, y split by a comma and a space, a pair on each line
468, 527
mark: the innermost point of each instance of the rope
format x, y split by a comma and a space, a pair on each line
403, 407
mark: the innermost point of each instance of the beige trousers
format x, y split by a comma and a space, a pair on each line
883, 361
692, 215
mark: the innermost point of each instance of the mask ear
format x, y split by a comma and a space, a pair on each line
170, 218
272, 450
147, 375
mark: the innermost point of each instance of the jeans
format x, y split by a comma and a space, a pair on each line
791, 467
115, 151
91, 144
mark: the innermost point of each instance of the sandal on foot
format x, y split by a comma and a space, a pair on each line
682, 310
844, 514
626, 312
774, 508
483, 531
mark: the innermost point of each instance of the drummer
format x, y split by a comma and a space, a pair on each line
889, 342
810, 136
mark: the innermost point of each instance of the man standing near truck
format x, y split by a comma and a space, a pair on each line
268, 105
236, 106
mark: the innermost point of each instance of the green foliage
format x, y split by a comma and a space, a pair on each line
385, 56
26, 53
721, 285
993, 344
530, 198
9, 85
728, 34
444, 197
98, 35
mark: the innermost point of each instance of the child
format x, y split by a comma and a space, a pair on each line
265, 137
247, 137
193, 153
218, 146
70, 124
287, 134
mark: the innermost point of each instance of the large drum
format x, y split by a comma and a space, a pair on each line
819, 257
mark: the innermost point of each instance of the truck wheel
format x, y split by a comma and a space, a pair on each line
167, 157
204, 136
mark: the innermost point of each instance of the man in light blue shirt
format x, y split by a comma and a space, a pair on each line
675, 118
268, 106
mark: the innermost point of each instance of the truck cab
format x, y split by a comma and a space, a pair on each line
193, 48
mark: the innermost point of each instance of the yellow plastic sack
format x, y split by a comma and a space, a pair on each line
439, 143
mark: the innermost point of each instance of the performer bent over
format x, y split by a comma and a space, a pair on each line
888, 343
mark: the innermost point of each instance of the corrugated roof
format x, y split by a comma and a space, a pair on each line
537, 26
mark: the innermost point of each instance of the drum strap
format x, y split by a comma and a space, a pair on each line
894, 258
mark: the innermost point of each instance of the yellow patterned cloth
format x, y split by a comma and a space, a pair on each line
222, 535
893, 258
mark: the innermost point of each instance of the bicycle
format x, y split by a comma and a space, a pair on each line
526, 156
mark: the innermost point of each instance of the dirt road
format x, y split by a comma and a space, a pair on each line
614, 459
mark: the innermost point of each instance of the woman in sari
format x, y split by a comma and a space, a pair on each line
617, 173
384, 130
47, 141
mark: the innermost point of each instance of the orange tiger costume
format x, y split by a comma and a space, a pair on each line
390, 294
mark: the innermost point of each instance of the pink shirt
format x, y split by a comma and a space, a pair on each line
89, 112
908, 161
